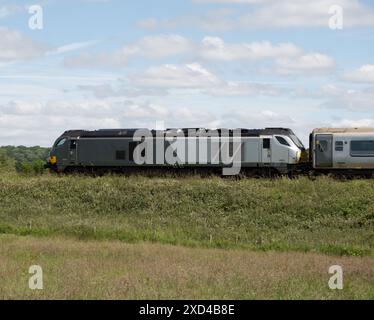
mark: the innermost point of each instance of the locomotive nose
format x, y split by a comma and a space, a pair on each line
51, 162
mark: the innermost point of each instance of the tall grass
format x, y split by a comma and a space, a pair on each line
328, 216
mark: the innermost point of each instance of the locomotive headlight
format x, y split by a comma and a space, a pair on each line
52, 160
298, 156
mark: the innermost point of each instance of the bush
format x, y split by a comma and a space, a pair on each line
6, 163
38, 167
24, 167
31, 168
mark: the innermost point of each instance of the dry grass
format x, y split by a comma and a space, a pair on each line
113, 270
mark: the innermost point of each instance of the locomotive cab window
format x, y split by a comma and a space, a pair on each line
61, 142
266, 143
363, 148
283, 141
339, 146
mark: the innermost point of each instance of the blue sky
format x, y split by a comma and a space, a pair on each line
190, 63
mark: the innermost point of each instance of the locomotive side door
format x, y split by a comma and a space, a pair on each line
266, 150
323, 151
73, 149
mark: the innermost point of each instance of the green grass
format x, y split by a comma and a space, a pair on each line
325, 216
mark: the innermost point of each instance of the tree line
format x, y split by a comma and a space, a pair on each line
27, 160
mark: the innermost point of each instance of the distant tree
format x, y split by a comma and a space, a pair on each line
6, 163
24, 159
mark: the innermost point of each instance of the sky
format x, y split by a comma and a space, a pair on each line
100, 64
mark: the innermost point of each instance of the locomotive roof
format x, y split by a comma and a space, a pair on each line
344, 130
112, 133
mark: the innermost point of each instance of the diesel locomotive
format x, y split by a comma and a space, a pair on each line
270, 151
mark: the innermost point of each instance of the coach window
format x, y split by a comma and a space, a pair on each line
363, 148
339, 146
266, 144
323, 146
283, 141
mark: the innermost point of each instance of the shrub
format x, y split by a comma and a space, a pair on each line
31, 168
24, 167
38, 167
6, 163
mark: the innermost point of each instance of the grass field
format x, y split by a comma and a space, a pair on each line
76, 269
230, 239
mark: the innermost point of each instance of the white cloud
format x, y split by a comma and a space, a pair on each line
148, 24
210, 48
257, 119
235, 89
20, 120
14, 46
159, 81
214, 48
308, 63
295, 13
194, 76
72, 47
7, 10
153, 47
352, 100
89, 60
341, 98
108, 91
363, 74
289, 58
190, 76
30, 130
277, 14
158, 47
89, 108
349, 123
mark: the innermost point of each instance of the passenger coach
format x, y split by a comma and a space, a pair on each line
346, 149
